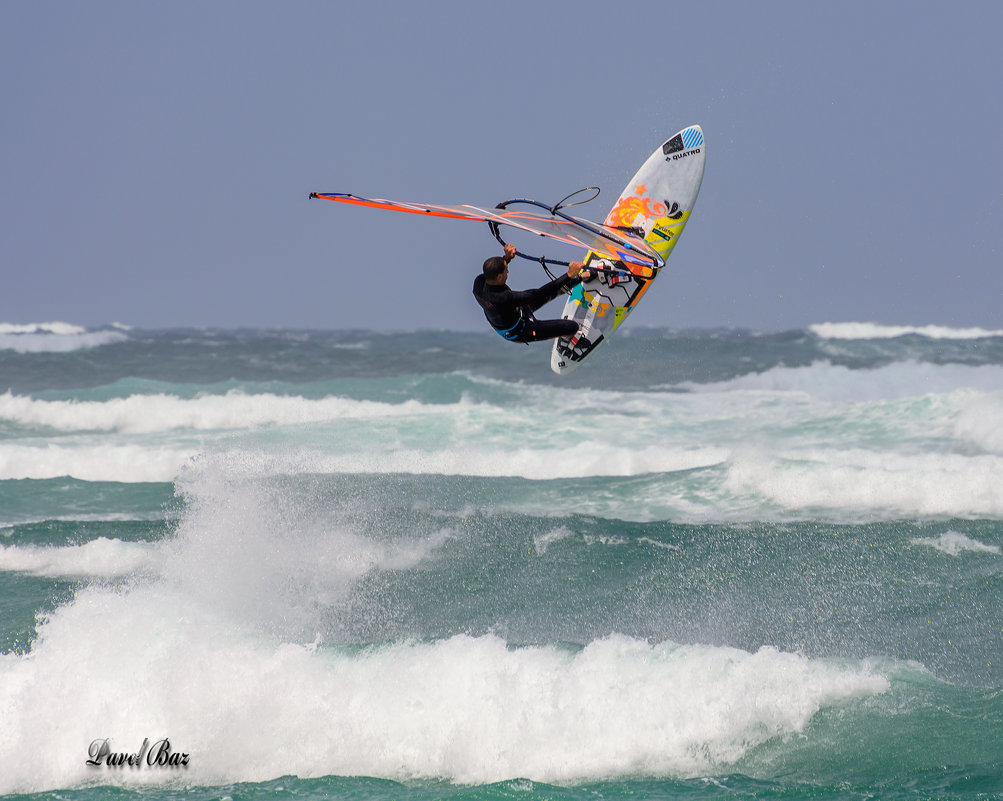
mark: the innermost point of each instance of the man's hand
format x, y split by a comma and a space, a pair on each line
577, 267
509, 252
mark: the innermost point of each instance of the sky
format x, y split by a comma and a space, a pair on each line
156, 157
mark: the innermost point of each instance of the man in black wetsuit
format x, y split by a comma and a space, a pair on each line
510, 313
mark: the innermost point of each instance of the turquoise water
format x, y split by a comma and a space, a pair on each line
412, 566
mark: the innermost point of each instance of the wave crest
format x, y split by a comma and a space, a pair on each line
57, 337
879, 331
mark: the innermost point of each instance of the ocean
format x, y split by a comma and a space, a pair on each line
277, 564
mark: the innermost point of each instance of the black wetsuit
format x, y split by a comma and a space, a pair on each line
510, 313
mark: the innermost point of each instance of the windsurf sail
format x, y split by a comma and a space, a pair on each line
538, 218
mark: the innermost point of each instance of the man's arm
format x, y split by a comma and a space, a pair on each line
535, 298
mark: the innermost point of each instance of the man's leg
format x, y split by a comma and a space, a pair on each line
538, 330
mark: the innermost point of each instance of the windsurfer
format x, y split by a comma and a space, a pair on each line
510, 313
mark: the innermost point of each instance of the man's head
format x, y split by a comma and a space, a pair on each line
495, 270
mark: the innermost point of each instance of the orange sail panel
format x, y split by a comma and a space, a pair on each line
608, 242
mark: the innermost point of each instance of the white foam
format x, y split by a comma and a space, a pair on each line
954, 543
544, 541
149, 663
62, 329
977, 418
547, 461
855, 483
95, 461
836, 383
159, 463
878, 331
668, 546
100, 558
55, 337
603, 539
158, 413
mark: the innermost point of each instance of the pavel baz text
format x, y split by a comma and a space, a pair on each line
160, 755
